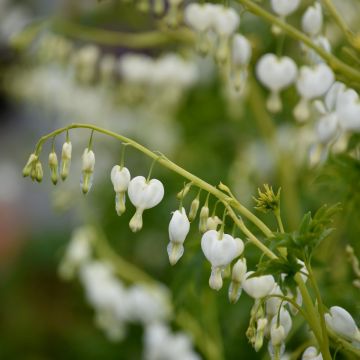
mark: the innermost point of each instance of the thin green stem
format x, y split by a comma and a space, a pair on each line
170, 165
279, 221
336, 64
320, 304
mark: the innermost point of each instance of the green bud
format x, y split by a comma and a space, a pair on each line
38, 171
267, 200
204, 214
194, 207
53, 164
182, 193
29, 165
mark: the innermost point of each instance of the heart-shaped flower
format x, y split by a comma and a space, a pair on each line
258, 286
225, 21
284, 7
348, 110
342, 323
88, 165
311, 353
275, 73
312, 20
220, 249
144, 195
179, 227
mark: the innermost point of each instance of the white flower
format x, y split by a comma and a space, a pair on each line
348, 110
342, 323
225, 21
219, 249
241, 50
199, 17
312, 82
136, 68
212, 222
277, 334
311, 353
273, 303
120, 178
312, 20
259, 286
65, 159
162, 344
327, 127
53, 164
285, 321
144, 195
284, 7
276, 74
179, 227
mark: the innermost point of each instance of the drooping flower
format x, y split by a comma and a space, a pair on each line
219, 249
276, 74
179, 228
311, 353
237, 276
259, 286
65, 159
144, 195
312, 20
120, 178
53, 164
88, 165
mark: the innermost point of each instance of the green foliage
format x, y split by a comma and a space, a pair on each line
312, 231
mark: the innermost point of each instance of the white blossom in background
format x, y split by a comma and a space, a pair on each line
283, 8
162, 344
342, 323
311, 353
276, 74
179, 228
77, 252
312, 82
258, 286
312, 20
219, 249
348, 110
85, 61
144, 195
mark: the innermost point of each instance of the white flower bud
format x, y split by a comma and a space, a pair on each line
30, 164
285, 320
212, 222
311, 353
241, 50
259, 286
144, 195
312, 20
284, 7
237, 276
260, 330
53, 164
342, 323
179, 228
194, 207
88, 165
38, 171
327, 127
65, 160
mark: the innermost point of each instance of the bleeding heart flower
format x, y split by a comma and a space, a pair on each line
259, 286
275, 73
284, 7
311, 353
348, 110
144, 195
220, 249
120, 177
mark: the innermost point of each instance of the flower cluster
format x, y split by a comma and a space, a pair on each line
215, 26
117, 305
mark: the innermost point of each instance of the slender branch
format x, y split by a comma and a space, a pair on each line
149, 39
336, 64
168, 164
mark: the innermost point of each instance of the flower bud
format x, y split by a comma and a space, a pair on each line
259, 337
179, 228
259, 286
215, 280
213, 222
342, 323
38, 171
120, 178
237, 276
194, 207
312, 20
204, 214
65, 160
277, 334
311, 353
183, 192
88, 165
29, 165
53, 164
241, 50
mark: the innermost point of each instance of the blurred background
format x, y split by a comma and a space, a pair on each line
67, 67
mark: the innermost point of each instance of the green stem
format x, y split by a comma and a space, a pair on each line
170, 165
279, 221
320, 304
336, 64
